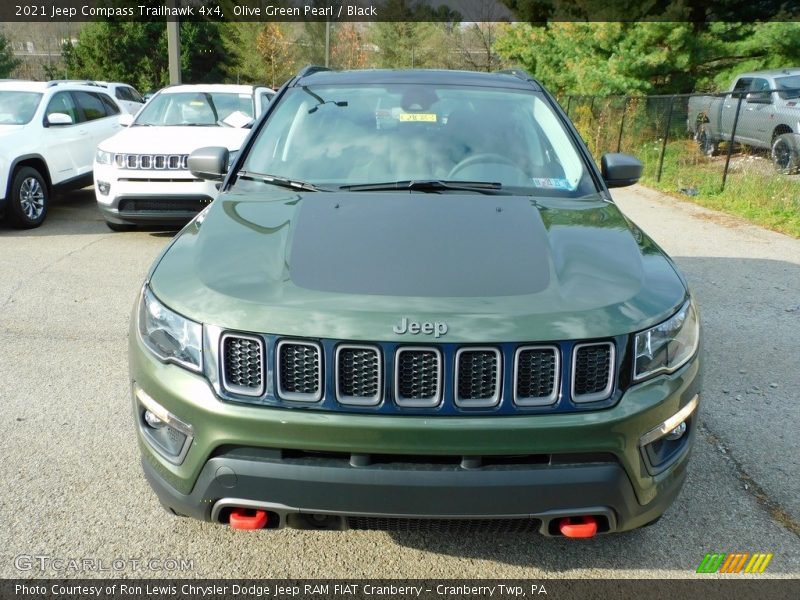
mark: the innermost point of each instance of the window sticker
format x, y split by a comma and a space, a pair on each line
553, 184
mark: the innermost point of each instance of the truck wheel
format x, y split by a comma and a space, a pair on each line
786, 153
707, 146
27, 206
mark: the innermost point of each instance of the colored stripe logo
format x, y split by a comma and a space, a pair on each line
736, 562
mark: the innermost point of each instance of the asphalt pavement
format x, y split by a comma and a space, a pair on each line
72, 487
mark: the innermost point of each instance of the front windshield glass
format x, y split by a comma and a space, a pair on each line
356, 135
17, 108
789, 86
194, 108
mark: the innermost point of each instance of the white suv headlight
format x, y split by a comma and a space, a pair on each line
668, 346
168, 335
104, 158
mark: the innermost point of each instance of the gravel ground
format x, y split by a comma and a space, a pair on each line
73, 488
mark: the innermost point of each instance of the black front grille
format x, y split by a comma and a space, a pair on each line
592, 371
418, 377
536, 376
358, 375
189, 204
445, 525
243, 365
478, 377
299, 371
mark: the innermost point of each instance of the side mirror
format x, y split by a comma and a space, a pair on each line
758, 98
125, 119
209, 163
620, 170
59, 119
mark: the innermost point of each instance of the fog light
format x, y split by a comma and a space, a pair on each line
152, 420
166, 433
103, 187
663, 444
677, 433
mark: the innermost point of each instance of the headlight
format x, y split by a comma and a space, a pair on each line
168, 335
104, 158
668, 346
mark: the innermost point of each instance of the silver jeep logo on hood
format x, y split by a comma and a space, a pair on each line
436, 328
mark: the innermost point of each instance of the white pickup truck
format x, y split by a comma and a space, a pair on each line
769, 116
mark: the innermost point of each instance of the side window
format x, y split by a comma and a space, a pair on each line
135, 96
759, 85
742, 85
62, 103
110, 106
91, 105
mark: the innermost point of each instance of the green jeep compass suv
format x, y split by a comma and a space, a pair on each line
414, 304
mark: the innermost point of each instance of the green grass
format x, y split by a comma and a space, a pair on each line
753, 190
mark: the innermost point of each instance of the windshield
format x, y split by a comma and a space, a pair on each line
17, 108
789, 86
349, 136
194, 108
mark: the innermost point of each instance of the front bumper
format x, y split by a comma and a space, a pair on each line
302, 462
150, 197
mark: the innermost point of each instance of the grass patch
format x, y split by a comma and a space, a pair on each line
753, 190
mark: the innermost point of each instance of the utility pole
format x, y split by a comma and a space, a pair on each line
174, 48
327, 43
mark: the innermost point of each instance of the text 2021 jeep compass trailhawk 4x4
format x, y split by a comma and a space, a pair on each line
414, 303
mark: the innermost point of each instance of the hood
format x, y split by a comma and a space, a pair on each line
173, 140
351, 266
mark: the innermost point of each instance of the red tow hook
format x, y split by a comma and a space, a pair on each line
578, 527
248, 518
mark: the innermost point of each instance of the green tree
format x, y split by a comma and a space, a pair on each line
8, 62
136, 52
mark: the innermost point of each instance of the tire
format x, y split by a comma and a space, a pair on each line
704, 142
120, 226
786, 153
27, 203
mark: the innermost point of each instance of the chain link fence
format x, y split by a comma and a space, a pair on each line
741, 148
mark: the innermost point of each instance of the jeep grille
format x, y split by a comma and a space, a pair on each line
299, 371
536, 375
592, 365
243, 364
152, 162
478, 377
358, 375
418, 377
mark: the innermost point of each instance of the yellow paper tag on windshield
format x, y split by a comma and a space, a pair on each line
423, 117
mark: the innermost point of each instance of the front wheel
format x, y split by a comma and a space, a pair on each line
704, 142
786, 153
29, 199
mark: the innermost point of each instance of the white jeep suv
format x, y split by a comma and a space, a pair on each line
48, 136
140, 174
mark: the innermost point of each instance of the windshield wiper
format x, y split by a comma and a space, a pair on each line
430, 185
280, 181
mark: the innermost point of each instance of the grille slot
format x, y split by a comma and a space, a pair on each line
299, 371
592, 371
536, 375
478, 377
359, 375
243, 364
444, 525
418, 377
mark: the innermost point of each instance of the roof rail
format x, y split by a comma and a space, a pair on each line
311, 69
518, 73
55, 82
